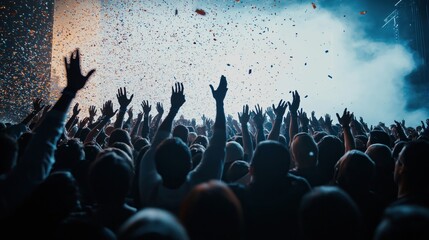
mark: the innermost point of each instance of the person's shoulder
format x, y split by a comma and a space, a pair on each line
297, 181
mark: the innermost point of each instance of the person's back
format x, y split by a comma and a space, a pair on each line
384, 185
270, 202
354, 174
110, 177
331, 149
166, 173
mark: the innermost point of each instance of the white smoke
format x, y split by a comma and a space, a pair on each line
264, 50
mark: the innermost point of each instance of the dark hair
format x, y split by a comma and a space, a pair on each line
173, 162
110, 177
403, 222
181, 132
270, 160
120, 135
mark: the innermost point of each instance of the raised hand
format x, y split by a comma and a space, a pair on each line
82, 123
220, 93
303, 119
146, 107
122, 98
177, 96
245, 116
296, 99
328, 121
37, 105
76, 109
280, 109
259, 118
92, 111
159, 108
75, 79
271, 113
107, 110
346, 119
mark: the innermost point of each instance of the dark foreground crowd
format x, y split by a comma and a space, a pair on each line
274, 173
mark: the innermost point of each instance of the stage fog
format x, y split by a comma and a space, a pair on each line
265, 50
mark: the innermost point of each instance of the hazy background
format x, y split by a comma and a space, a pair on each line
334, 55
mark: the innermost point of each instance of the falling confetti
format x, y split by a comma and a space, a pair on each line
250, 71
176, 12
326, 51
330, 76
314, 5
201, 12
363, 12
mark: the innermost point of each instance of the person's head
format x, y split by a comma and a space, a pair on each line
191, 137
140, 143
120, 135
382, 157
91, 151
378, 136
211, 210
9, 154
69, 154
110, 177
327, 212
331, 149
403, 222
173, 162
152, 224
202, 140
354, 171
234, 151
237, 170
319, 135
304, 150
55, 198
412, 167
124, 147
270, 161
180, 131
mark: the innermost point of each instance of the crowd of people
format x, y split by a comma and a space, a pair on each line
274, 173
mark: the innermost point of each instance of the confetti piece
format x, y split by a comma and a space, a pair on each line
330, 76
306, 96
201, 12
228, 64
326, 51
314, 5
250, 71
176, 12
363, 12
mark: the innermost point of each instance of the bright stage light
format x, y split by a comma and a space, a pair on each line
264, 50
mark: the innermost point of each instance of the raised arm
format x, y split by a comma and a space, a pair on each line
107, 113
247, 140
145, 125
148, 176
259, 120
38, 158
211, 165
345, 120
123, 103
279, 113
293, 109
